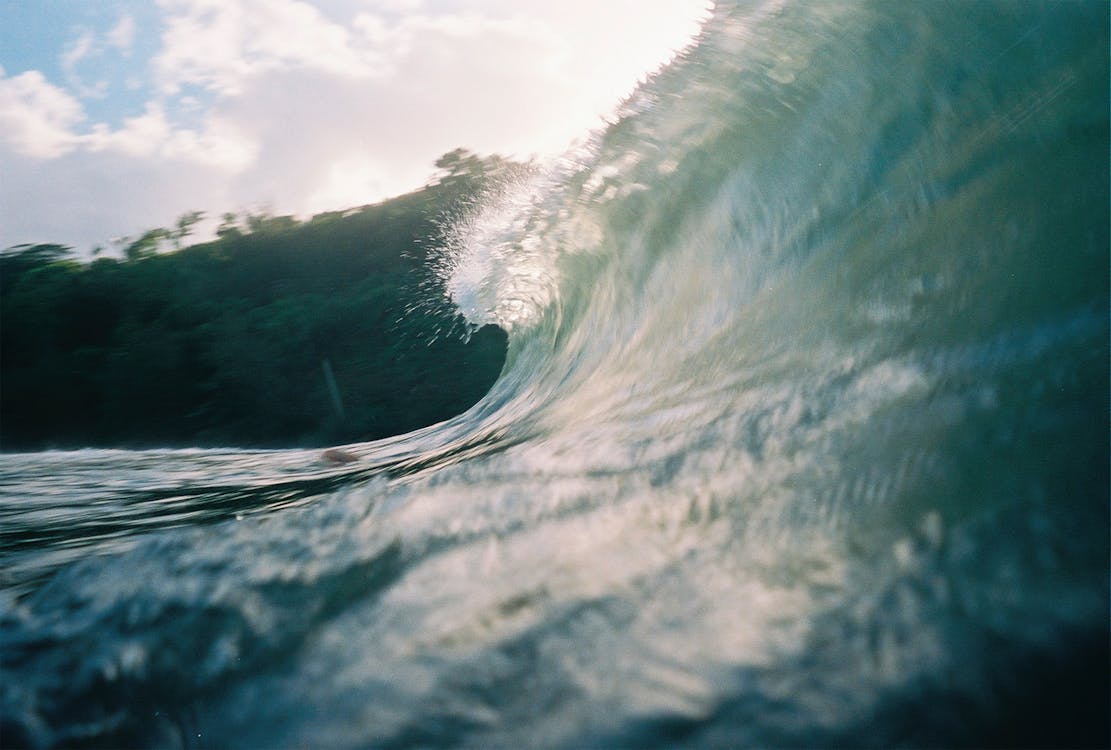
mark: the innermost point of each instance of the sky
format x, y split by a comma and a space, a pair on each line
117, 116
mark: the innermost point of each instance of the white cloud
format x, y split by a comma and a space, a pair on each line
40, 120
309, 112
398, 6
142, 136
85, 198
350, 175
122, 35
219, 146
222, 44
82, 49
77, 51
36, 117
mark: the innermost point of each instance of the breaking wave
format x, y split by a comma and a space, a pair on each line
801, 441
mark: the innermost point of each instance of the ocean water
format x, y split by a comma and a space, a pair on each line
802, 441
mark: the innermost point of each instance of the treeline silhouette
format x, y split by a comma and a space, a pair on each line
278, 333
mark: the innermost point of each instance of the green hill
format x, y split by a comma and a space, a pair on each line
278, 333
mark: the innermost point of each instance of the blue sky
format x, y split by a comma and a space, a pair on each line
120, 115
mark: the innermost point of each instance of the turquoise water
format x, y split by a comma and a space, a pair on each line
802, 440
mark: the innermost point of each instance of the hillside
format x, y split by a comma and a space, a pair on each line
278, 333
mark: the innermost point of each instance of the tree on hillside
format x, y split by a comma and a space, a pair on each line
18, 260
229, 226
184, 226
463, 167
147, 244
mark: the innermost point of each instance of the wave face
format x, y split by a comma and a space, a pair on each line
801, 441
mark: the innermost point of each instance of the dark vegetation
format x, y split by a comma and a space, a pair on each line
278, 333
